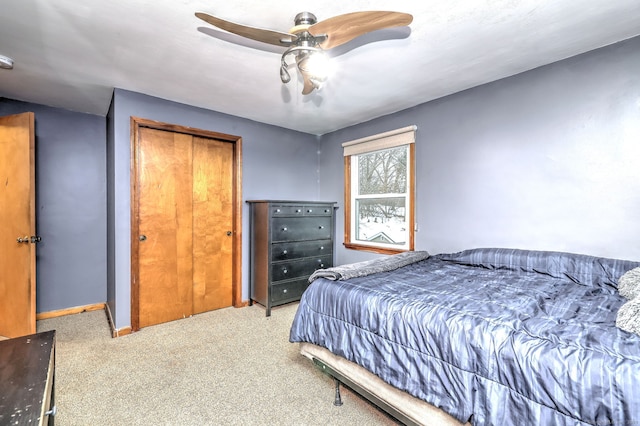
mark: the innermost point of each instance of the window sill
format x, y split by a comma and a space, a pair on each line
380, 250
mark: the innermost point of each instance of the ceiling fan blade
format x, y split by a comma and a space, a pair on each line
343, 28
259, 34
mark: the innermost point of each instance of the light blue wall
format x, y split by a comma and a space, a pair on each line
70, 206
548, 159
276, 164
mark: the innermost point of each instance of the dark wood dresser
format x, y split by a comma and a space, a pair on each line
289, 241
27, 367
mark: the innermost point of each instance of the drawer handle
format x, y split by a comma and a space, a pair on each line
320, 227
284, 252
326, 210
284, 291
277, 210
284, 229
298, 211
284, 271
309, 211
321, 247
322, 265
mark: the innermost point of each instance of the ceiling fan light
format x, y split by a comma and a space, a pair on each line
317, 65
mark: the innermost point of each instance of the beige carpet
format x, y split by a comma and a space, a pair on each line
227, 367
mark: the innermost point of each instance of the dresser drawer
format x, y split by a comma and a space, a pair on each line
301, 210
287, 211
301, 228
317, 210
288, 290
295, 250
299, 268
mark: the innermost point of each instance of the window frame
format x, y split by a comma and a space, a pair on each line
368, 145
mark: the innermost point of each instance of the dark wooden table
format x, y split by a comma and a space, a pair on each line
27, 379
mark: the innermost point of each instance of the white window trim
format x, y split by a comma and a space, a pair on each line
390, 139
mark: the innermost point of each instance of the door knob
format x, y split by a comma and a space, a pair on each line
229, 233
35, 239
24, 239
142, 237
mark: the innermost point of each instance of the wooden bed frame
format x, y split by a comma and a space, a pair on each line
399, 404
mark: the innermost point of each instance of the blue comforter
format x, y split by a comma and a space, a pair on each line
494, 336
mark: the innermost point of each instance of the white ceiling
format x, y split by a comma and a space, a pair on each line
71, 54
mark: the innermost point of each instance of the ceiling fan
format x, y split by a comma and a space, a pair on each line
308, 39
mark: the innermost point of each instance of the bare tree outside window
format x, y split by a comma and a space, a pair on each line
380, 202
383, 172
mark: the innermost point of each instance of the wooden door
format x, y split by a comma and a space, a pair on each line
17, 221
185, 223
212, 224
165, 224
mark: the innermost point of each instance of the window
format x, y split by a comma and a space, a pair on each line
379, 192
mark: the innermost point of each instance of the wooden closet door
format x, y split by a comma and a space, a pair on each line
186, 212
165, 254
212, 224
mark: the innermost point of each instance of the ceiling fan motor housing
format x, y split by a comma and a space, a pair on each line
305, 18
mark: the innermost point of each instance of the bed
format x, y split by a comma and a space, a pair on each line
485, 336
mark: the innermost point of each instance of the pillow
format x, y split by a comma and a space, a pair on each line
629, 284
628, 318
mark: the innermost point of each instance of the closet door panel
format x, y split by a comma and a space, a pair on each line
212, 224
165, 225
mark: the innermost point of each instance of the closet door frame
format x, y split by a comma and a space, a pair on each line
135, 124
